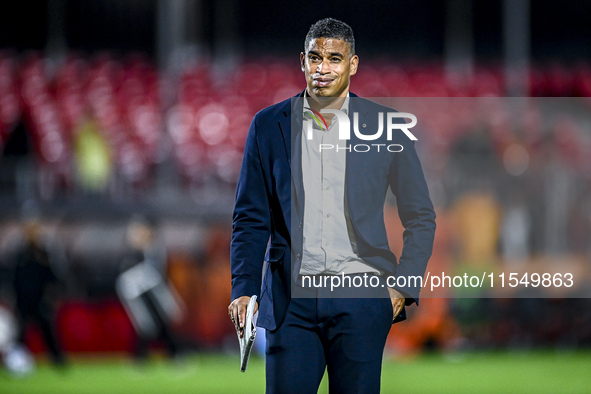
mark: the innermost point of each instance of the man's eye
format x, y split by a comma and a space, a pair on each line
314, 58
336, 59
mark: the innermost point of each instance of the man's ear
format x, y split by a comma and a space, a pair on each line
354, 62
302, 58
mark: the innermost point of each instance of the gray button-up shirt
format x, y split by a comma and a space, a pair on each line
329, 240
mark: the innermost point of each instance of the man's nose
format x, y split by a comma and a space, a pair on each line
322, 67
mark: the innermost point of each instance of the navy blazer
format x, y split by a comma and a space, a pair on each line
269, 210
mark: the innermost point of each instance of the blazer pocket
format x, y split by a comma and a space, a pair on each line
275, 253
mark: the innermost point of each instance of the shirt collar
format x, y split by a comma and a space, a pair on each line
344, 107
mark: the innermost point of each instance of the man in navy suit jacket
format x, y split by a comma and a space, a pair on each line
311, 329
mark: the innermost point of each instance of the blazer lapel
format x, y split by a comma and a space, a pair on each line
291, 128
354, 164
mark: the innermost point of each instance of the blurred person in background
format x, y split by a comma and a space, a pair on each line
33, 280
150, 301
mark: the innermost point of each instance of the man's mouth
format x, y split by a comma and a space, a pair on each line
323, 82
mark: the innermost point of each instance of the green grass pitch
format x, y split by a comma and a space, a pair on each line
474, 372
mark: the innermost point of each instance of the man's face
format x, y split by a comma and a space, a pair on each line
328, 67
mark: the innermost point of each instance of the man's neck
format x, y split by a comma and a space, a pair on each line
318, 103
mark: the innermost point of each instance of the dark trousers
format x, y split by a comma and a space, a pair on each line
163, 331
39, 317
346, 336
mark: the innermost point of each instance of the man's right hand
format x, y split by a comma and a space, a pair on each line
237, 312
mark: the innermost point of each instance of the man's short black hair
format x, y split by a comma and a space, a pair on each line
330, 28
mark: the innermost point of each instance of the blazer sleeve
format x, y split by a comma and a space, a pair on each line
416, 215
251, 221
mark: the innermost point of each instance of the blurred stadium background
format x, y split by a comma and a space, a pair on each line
114, 109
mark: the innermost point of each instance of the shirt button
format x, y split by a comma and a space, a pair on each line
299, 256
328, 215
300, 225
326, 244
327, 187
